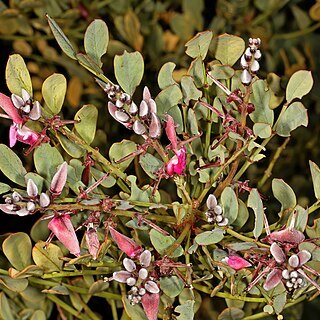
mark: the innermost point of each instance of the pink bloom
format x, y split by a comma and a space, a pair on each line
7, 105
177, 163
150, 304
22, 134
273, 279
127, 245
171, 132
59, 180
236, 262
62, 228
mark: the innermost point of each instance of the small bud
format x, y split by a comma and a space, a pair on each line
294, 261
155, 126
244, 62
131, 281
59, 180
129, 264
151, 286
32, 188
257, 55
223, 223
255, 66
142, 291
143, 109
211, 202
119, 104
121, 116
121, 276
25, 96
246, 77
23, 212
304, 256
133, 109
286, 274
146, 94
248, 54
145, 258
143, 273
16, 197
138, 127
31, 206
44, 200
277, 253
17, 101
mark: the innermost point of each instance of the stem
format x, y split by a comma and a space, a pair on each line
114, 309
314, 207
63, 274
244, 238
66, 307
268, 172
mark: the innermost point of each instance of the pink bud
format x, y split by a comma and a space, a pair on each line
273, 279
112, 110
236, 262
155, 126
287, 236
62, 228
93, 243
177, 163
59, 180
150, 304
171, 132
7, 105
278, 253
127, 245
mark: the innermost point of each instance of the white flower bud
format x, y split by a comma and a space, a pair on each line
143, 273
246, 77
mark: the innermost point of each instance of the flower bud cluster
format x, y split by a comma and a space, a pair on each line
25, 105
137, 277
294, 280
142, 119
214, 213
249, 61
22, 206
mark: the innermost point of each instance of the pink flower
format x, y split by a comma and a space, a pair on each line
177, 163
150, 304
236, 262
171, 132
7, 105
59, 180
61, 226
127, 245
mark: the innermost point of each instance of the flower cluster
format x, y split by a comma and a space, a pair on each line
20, 110
143, 120
214, 213
249, 61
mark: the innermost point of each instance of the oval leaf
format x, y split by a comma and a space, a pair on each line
54, 89
168, 98
11, 166
96, 40
86, 128
119, 150
165, 78
198, 46
171, 286
299, 85
128, 69
255, 202
209, 237
315, 174
17, 248
17, 75
229, 203
284, 194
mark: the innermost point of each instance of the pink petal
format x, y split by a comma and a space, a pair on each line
26, 135
7, 105
121, 276
12, 135
290, 236
146, 94
150, 304
236, 262
277, 253
177, 163
171, 132
62, 228
93, 243
273, 279
127, 245
7, 208
59, 180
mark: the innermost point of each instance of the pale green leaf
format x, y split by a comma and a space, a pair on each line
171, 286
262, 130
119, 150
17, 75
96, 40
165, 78
255, 202
5, 309
185, 310
189, 89
129, 68
168, 98
210, 237
4, 188
299, 85
150, 164
198, 46
72, 148
315, 174
229, 202
284, 194
231, 314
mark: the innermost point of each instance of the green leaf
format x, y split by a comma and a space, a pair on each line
109, 182
185, 310
229, 48
189, 89
198, 46
86, 128
279, 302
17, 75
315, 174
47, 160
229, 204
135, 312
165, 78
301, 218
5, 309
96, 40
210, 237
314, 230
120, 150
284, 194
168, 98
196, 71
54, 89
255, 202
29, 271
89, 63
15, 285
38, 315
4, 188
260, 98
231, 314
128, 69
150, 165
171, 286
40, 230
62, 39
299, 85
162, 242
17, 249
49, 259
242, 217
72, 148
221, 72
293, 117
262, 130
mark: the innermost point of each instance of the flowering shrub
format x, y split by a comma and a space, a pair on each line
163, 223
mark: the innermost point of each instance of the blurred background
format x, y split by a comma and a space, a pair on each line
159, 29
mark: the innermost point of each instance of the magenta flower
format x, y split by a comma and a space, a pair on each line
177, 164
127, 245
170, 129
61, 226
236, 262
